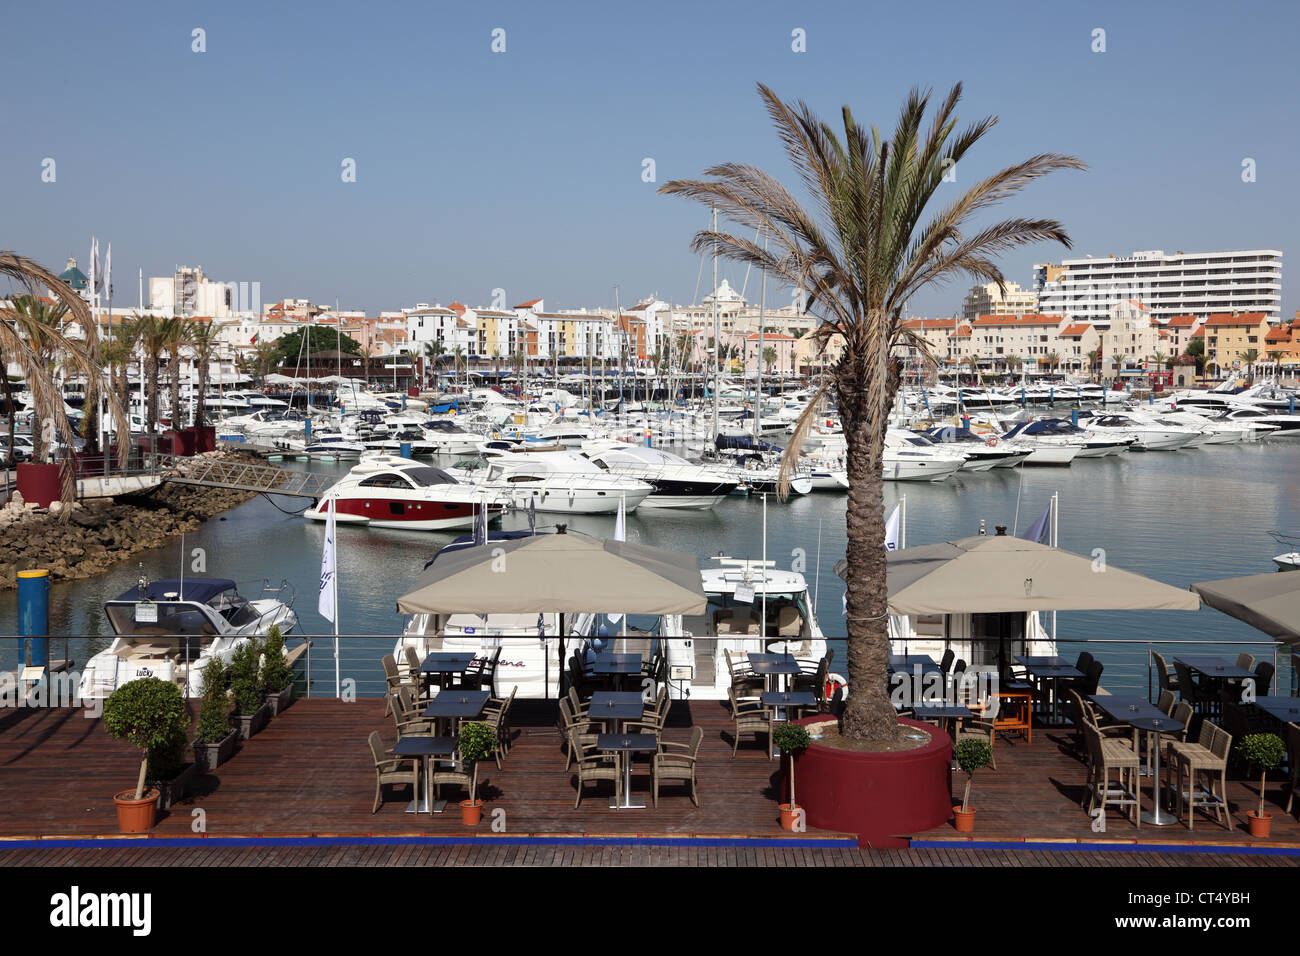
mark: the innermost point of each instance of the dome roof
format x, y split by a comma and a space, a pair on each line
74, 276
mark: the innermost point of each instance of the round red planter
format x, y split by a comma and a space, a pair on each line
39, 484
876, 795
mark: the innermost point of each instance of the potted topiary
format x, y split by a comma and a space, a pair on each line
791, 739
251, 708
277, 676
149, 714
971, 754
1263, 752
476, 741
215, 741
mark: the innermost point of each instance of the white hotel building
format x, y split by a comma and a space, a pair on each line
1196, 283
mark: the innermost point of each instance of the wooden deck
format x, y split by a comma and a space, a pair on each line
309, 775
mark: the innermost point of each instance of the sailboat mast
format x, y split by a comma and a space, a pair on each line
717, 329
762, 309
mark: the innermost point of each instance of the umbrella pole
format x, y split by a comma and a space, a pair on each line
562, 668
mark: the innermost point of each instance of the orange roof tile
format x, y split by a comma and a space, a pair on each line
1031, 319
1078, 328
1243, 318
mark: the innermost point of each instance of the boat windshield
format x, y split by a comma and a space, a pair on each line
426, 476
165, 617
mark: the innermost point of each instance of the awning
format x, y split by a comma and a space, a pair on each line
989, 574
566, 573
1269, 602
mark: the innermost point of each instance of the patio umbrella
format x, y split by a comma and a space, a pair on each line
565, 573
1269, 602
990, 574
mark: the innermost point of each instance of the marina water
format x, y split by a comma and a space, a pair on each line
1179, 517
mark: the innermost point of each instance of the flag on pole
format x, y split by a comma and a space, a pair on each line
92, 280
1041, 530
108, 272
328, 572
892, 527
620, 534
480, 525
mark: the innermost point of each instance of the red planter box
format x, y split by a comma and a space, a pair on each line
876, 795
39, 484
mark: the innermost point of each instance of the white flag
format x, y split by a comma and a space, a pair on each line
92, 279
891, 529
108, 272
620, 534
328, 570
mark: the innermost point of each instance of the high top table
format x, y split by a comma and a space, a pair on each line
1140, 714
617, 666
453, 704
1216, 668
615, 706
444, 664
625, 745
1051, 670
424, 748
1285, 709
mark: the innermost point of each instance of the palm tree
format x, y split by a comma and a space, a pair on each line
176, 338
861, 251
152, 335
202, 339
769, 357
41, 321
433, 351
1052, 360
1094, 360
117, 352
1249, 357
31, 349
457, 353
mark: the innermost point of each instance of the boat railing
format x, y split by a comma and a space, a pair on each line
284, 592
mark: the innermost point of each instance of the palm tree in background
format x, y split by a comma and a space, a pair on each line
33, 350
457, 354
152, 336
202, 339
118, 352
433, 352
863, 248
1249, 358
1094, 361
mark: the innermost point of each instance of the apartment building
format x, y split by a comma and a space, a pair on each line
988, 299
1228, 336
1198, 283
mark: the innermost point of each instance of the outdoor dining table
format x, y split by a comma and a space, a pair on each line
444, 664
780, 700
909, 662
1140, 714
617, 666
455, 704
424, 748
1284, 709
1216, 668
625, 745
616, 706
782, 666
1051, 670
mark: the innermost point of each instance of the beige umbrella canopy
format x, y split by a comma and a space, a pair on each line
1270, 602
565, 573
989, 574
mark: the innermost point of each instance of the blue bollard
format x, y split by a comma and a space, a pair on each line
1292, 405
965, 422
306, 429
1051, 395
1074, 417
1151, 399
405, 449
34, 615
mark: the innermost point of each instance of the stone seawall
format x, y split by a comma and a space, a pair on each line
103, 531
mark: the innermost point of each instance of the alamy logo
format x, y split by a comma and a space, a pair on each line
75, 909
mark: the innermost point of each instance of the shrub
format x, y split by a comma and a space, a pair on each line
790, 738
972, 754
476, 741
276, 674
214, 707
245, 678
150, 714
1263, 752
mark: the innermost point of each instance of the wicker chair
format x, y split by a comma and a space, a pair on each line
393, 679
746, 683
1198, 695
1162, 674
1166, 702
408, 715
1264, 671
481, 673
412, 660
1082, 663
389, 772
945, 664
1208, 756
497, 716
1245, 661
654, 718
750, 717
1107, 755
676, 762
459, 777
593, 765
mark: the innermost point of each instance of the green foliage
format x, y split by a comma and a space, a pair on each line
477, 741
150, 714
973, 754
245, 678
790, 738
214, 707
276, 674
289, 347
1264, 752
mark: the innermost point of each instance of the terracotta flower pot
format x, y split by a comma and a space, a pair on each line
471, 811
790, 812
964, 820
136, 816
1260, 826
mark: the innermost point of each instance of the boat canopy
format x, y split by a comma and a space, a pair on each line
201, 590
1044, 426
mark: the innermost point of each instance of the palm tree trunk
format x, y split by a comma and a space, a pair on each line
151, 376
869, 714
9, 403
203, 391
174, 370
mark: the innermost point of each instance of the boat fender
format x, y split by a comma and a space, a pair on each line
991, 441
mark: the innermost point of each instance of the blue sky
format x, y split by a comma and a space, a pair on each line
522, 170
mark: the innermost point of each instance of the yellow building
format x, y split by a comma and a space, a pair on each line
1228, 336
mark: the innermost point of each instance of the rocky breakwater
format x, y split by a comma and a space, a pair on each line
100, 532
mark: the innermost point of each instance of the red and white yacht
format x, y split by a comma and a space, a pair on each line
385, 491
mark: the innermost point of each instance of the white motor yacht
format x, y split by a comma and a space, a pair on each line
558, 481
912, 457
677, 482
384, 491
171, 629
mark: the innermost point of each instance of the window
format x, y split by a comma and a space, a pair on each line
385, 481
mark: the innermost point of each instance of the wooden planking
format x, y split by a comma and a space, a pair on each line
309, 773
